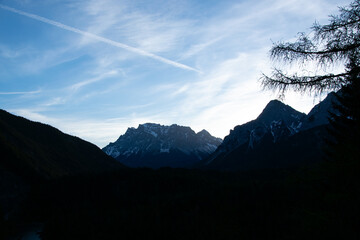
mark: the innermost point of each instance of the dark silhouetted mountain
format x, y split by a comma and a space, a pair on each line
300, 149
33, 149
153, 145
279, 137
319, 114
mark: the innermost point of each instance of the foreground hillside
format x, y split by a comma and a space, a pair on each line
31, 153
34, 149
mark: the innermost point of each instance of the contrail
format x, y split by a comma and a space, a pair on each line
99, 38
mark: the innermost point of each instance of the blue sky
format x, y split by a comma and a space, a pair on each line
94, 68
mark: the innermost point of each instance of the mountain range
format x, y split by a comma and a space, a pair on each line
279, 137
154, 145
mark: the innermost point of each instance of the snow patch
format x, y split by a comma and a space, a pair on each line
153, 133
111, 151
164, 150
295, 116
251, 141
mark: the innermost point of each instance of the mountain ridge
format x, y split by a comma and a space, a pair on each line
140, 147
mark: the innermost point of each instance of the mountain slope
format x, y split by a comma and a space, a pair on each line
277, 121
319, 114
35, 149
154, 145
301, 149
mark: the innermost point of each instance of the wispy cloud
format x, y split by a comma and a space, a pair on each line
219, 100
9, 53
199, 47
20, 93
103, 76
54, 101
101, 39
154, 28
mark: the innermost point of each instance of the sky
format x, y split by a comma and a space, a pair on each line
94, 68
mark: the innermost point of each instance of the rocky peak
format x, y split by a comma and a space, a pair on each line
276, 110
152, 129
151, 140
204, 134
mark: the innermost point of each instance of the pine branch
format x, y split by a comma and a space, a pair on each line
292, 49
282, 82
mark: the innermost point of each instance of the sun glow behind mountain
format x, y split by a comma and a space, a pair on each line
95, 68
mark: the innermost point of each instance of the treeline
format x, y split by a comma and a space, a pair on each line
190, 204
